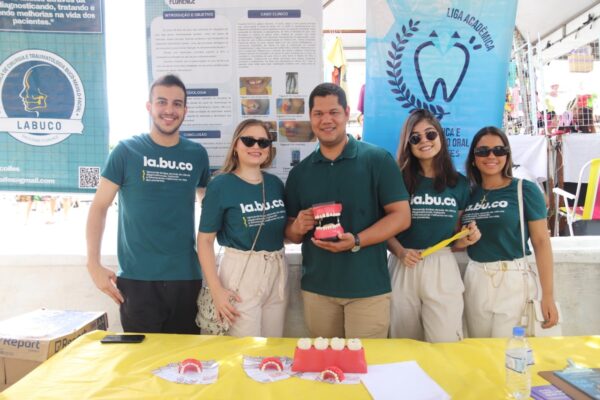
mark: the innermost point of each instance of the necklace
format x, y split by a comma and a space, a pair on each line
485, 193
484, 198
249, 180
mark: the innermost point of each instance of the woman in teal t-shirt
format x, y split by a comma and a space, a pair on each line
243, 209
498, 280
427, 292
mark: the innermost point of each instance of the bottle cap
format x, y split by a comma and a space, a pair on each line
518, 331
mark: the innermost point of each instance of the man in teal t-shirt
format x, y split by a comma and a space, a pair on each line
157, 177
345, 284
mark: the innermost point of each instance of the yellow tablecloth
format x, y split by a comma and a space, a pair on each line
471, 369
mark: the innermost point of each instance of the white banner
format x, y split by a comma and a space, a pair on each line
530, 152
578, 148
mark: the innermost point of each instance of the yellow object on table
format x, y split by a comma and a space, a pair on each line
471, 369
444, 243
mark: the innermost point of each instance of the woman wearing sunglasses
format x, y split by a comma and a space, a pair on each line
243, 208
427, 293
498, 281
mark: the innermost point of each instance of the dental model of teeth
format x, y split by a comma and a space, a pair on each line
189, 365
322, 354
327, 229
271, 363
332, 374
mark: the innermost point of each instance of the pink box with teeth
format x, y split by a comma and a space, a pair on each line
328, 221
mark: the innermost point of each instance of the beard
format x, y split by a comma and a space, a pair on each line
166, 132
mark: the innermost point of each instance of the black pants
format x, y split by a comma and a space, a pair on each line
159, 306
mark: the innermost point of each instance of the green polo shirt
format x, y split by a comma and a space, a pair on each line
364, 178
498, 220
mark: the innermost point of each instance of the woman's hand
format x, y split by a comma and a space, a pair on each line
549, 311
225, 310
410, 257
472, 238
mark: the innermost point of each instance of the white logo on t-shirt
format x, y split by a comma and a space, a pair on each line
256, 206
433, 200
167, 164
487, 206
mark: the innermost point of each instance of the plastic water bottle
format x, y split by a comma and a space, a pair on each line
518, 359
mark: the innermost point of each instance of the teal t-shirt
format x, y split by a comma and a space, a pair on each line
156, 237
364, 178
434, 215
232, 207
498, 220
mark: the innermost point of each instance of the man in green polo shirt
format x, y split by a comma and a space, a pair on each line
345, 283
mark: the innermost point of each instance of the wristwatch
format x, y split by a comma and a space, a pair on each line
356, 244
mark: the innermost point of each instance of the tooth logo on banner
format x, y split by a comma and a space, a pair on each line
441, 63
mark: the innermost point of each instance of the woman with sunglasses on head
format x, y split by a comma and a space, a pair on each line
498, 281
427, 292
243, 208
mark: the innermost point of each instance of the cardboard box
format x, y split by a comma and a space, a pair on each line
29, 339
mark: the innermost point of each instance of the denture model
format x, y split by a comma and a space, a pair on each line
349, 358
271, 363
328, 221
332, 374
190, 365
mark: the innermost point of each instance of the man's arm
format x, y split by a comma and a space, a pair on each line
396, 220
104, 278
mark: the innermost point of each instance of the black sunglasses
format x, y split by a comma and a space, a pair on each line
485, 151
415, 138
250, 141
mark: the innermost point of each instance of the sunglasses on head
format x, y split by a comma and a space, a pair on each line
485, 151
415, 138
250, 141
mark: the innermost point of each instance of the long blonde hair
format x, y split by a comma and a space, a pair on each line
231, 159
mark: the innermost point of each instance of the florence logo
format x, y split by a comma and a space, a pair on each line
42, 100
439, 60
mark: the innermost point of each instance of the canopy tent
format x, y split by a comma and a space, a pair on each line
557, 22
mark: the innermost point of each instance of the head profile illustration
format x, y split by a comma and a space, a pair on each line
42, 97
38, 89
33, 94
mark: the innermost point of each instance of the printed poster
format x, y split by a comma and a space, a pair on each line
53, 112
450, 57
241, 60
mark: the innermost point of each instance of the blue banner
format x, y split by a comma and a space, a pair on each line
53, 109
450, 57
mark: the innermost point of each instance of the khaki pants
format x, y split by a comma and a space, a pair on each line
495, 296
366, 317
263, 291
427, 300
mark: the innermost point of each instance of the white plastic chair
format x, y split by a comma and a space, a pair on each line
591, 208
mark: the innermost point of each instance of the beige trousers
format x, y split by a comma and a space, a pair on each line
495, 296
427, 300
263, 290
365, 317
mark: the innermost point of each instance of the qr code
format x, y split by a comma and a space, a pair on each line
89, 177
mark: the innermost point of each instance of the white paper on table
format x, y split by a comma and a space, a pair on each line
209, 373
404, 380
251, 366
